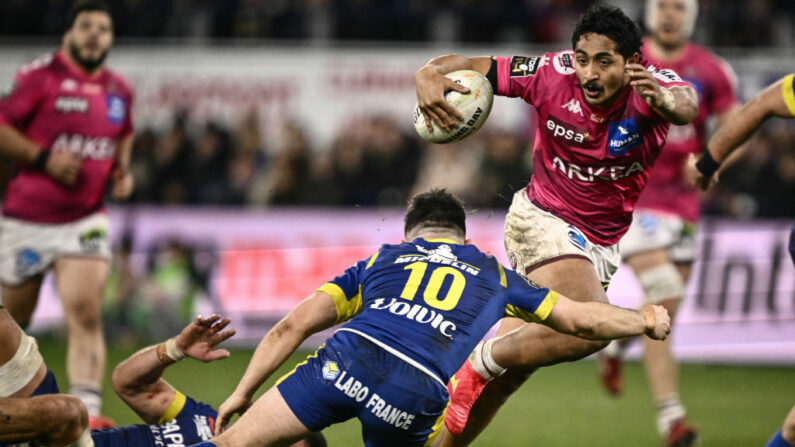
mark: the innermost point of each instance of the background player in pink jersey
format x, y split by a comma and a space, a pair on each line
66, 121
604, 118
660, 245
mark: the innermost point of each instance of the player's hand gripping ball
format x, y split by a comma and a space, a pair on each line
474, 106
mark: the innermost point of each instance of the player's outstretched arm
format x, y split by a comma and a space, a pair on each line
138, 380
736, 130
315, 313
601, 321
432, 85
677, 104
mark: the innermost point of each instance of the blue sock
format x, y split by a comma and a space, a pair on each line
204, 444
778, 441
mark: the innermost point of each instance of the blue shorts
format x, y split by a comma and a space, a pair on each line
47, 386
397, 404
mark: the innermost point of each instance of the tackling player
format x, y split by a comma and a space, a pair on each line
604, 115
66, 122
777, 100
416, 310
660, 245
36, 414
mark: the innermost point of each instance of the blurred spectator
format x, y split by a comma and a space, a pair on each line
725, 23
507, 166
452, 166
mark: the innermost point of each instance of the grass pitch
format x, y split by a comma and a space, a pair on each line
564, 405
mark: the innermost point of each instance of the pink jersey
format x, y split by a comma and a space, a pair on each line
590, 163
60, 107
714, 80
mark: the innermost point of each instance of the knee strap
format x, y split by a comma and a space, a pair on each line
661, 283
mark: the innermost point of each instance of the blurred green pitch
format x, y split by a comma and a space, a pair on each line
564, 405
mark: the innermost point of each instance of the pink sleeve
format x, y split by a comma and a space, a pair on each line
723, 88
516, 76
20, 102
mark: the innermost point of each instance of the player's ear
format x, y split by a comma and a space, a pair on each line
468, 242
634, 59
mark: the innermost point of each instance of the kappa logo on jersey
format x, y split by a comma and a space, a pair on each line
69, 85
117, 109
418, 313
576, 237
524, 66
622, 136
568, 133
95, 148
71, 104
330, 370
564, 62
573, 106
592, 174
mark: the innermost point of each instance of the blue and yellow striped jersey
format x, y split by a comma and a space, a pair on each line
433, 300
788, 91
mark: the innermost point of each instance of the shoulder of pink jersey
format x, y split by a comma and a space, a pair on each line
37, 69
122, 83
666, 76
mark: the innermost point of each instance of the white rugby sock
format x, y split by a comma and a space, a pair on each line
483, 362
669, 409
90, 394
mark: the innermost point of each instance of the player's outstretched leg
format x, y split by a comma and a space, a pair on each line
282, 427
521, 348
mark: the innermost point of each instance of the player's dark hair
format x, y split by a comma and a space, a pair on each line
611, 22
435, 208
83, 6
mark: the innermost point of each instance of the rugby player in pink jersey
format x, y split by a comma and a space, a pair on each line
66, 122
604, 114
660, 245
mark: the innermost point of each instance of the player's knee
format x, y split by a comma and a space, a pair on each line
86, 313
662, 283
314, 440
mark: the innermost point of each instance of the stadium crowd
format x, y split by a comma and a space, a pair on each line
381, 164
745, 24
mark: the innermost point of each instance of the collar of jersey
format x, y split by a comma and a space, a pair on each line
446, 241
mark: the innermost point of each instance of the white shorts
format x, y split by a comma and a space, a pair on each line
534, 236
28, 249
652, 230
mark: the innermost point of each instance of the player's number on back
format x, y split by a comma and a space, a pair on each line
431, 295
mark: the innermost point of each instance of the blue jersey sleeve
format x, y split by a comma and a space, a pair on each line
346, 289
527, 300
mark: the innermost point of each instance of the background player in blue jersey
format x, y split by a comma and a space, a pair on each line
776, 100
416, 311
58, 420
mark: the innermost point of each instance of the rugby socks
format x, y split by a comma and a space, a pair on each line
669, 410
778, 441
483, 362
90, 395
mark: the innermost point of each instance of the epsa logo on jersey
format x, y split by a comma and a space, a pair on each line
622, 136
117, 110
576, 237
71, 104
330, 370
570, 134
564, 62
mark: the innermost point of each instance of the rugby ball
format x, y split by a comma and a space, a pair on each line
474, 106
